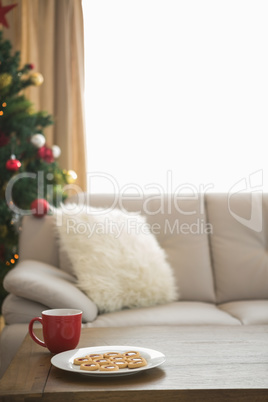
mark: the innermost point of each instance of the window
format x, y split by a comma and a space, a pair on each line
176, 94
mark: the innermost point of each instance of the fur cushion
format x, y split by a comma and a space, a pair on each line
117, 261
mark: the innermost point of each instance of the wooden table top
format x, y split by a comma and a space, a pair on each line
202, 364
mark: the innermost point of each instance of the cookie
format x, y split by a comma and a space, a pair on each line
80, 360
109, 367
131, 353
90, 366
136, 362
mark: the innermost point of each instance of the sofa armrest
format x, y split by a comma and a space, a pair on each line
45, 284
17, 310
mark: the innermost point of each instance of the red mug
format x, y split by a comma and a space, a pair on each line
61, 329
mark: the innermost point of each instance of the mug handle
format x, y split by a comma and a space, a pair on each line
32, 334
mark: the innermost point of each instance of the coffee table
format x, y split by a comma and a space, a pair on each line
202, 364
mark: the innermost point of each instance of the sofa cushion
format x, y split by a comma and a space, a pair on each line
183, 234
117, 261
249, 312
47, 285
180, 225
239, 245
170, 314
37, 240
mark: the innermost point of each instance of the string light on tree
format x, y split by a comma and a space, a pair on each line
13, 259
4, 104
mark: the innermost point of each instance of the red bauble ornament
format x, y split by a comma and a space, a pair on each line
39, 207
30, 66
13, 164
46, 154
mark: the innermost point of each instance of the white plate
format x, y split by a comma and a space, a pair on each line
65, 360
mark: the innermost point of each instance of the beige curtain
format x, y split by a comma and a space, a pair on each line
49, 34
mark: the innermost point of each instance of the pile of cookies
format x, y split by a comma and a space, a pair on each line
110, 361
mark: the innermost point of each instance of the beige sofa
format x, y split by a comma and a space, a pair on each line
216, 244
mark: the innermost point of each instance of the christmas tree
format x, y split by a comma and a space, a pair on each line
30, 178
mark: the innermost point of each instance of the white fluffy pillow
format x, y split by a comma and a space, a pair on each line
116, 259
